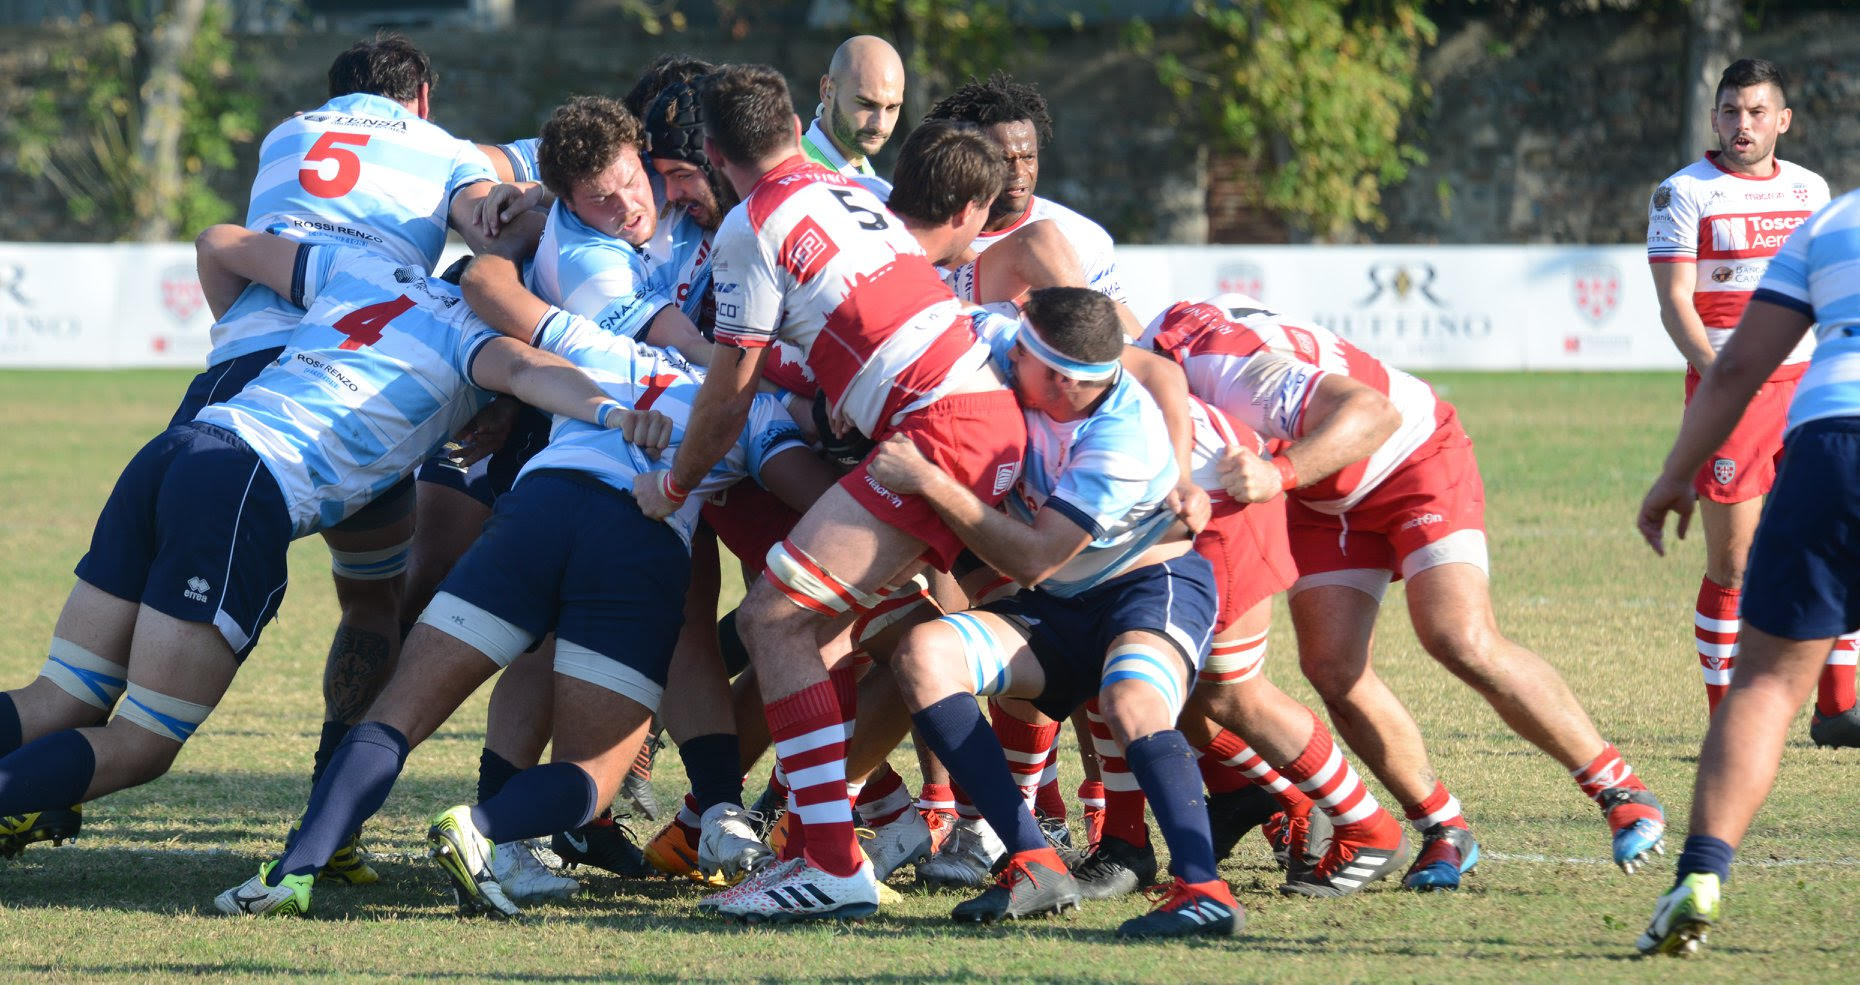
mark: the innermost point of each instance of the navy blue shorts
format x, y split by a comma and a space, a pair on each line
222, 380
489, 478
1803, 578
196, 529
567, 552
1071, 636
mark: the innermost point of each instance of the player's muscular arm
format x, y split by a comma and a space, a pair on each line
671, 328
228, 257
1343, 422
1027, 554
554, 385
496, 294
1674, 284
1168, 386
1037, 256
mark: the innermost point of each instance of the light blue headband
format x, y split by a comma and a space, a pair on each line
1062, 364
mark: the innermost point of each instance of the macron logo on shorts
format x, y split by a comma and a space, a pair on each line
1005, 476
890, 497
197, 589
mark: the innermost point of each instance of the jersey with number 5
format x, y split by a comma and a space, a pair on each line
814, 259
361, 171
376, 376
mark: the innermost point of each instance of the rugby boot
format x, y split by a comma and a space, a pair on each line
905, 841
1840, 731
1032, 884
801, 892
524, 876
1683, 916
636, 787
768, 810
1189, 909
252, 898
1637, 823
1447, 853
967, 858
1116, 868
1093, 818
349, 865
1299, 838
57, 826
940, 823
1354, 859
772, 872
1058, 836
672, 852
468, 860
777, 838
727, 844
603, 843
1232, 814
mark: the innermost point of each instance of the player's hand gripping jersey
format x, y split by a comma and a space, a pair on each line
645, 377
596, 276
1729, 226
1260, 369
814, 259
1096, 250
376, 375
361, 171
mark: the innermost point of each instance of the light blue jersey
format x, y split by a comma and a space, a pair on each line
596, 276
1110, 473
680, 257
646, 377
521, 156
1817, 272
360, 171
375, 376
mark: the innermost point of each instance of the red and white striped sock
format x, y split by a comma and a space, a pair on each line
1606, 771
1091, 795
1322, 772
810, 729
884, 799
687, 819
1049, 802
1026, 746
1714, 627
1227, 756
937, 797
1835, 694
1439, 807
965, 808
1123, 797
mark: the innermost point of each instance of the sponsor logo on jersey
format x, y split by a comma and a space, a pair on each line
1743, 233
807, 250
1422, 521
1662, 197
1005, 476
1597, 290
197, 589
1723, 470
369, 122
1800, 190
180, 293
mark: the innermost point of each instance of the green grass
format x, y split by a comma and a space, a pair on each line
1565, 460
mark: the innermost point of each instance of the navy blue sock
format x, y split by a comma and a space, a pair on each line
1165, 768
333, 734
47, 773
9, 724
358, 780
955, 730
1703, 853
538, 801
493, 772
713, 765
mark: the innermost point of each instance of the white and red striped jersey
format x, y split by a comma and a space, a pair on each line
1096, 249
1729, 225
814, 259
1261, 369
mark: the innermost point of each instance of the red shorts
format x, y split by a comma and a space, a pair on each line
978, 438
1744, 467
1429, 511
749, 520
1251, 555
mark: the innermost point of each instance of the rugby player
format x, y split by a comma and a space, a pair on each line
1802, 572
187, 563
1413, 507
1711, 229
815, 259
860, 97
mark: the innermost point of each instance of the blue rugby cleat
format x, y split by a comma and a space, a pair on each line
1638, 823
1447, 853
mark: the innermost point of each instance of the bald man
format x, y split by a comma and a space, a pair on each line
859, 101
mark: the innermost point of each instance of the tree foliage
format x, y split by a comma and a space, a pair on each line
1313, 93
86, 133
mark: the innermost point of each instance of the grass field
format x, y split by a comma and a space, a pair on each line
1565, 461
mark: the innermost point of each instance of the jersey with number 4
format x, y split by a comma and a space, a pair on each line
359, 171
813, 258
1262, 369
1728, 226
376, 375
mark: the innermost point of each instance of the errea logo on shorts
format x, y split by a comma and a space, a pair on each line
197, 589
1005, 476
1422, 521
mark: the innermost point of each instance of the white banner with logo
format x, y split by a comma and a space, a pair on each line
1434, 307
1421, 307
